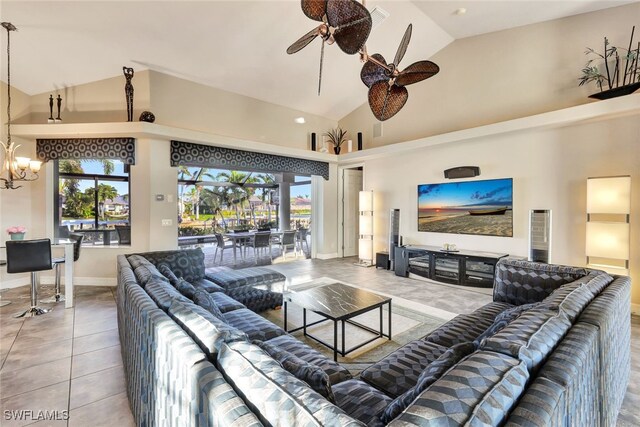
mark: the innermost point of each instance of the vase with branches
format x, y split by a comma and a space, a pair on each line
613, 80
337, 137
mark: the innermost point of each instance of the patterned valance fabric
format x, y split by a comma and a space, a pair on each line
207, 156
123, 149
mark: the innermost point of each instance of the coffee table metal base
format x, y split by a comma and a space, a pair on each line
343, 321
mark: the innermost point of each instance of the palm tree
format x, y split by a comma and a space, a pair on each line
266, 178
214, 200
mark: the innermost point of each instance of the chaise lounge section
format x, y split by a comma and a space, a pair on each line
551, 349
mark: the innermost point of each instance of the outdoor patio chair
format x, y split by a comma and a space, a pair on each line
301, 238
288, 240
260, 242
222, 245
124, 234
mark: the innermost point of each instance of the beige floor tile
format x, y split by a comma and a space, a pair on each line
99, 385
26, 354
95, 326
33, 336
51, 398
108, 412
95, 342
88, 363
35, 377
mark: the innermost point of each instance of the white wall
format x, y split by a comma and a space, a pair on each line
549, 170
501, 76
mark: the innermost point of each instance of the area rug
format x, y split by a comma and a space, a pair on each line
407, 324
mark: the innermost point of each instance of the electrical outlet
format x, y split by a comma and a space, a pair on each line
167, 222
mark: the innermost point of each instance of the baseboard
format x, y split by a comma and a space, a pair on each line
635, 309
327, 256
50, 280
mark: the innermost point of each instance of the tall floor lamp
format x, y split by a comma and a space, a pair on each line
365, 243
608, 210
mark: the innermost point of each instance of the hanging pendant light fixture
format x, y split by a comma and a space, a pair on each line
15, 169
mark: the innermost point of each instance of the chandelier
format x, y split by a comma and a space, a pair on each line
15, 169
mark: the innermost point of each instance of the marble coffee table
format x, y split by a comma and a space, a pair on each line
340, 303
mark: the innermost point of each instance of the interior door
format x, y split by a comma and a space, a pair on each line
352, 185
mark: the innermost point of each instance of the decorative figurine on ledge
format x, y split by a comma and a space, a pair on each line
128, 91
50, 119
147, 116
59, 102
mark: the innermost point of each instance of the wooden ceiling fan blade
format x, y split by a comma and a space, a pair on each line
352, 22
321, 62
417, 72
402, 49
385, 101
372, 73
303, 41
314, 9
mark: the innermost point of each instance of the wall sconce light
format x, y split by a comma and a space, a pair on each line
365, 243
608, 210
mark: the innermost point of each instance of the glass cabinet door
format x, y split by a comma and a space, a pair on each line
447, 269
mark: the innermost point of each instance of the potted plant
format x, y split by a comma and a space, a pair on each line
16, 232
337, 137
617, 82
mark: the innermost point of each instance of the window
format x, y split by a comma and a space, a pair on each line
92, 198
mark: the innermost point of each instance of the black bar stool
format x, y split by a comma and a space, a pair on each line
57, 262
3, 303
30, 256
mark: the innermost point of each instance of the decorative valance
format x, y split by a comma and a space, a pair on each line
123, 149
207, 156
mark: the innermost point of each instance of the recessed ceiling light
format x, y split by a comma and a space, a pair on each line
460, 11
299, 120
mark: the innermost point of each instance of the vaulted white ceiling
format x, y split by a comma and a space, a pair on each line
236, 45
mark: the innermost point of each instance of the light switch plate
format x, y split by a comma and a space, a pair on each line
167, 222
170, 198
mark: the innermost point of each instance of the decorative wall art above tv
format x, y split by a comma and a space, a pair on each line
471, 207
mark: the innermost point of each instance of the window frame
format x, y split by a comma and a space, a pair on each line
85, 176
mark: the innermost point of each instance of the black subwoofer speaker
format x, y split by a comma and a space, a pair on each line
462, 172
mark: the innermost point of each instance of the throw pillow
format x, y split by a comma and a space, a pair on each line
185, 288
168, 273
503, 319
311, 374
204, 300
435, 370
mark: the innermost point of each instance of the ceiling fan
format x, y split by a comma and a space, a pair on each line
348, 23
345, 22
386, 82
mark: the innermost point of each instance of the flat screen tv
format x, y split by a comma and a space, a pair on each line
471, 207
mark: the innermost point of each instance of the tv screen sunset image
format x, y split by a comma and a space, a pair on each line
472, 207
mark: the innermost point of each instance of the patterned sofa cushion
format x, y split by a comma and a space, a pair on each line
205, 329
185, 263
233, 279
274, 395
336, 372
144, 270
204, 300
314, 376
255, 299
531, 337
165, 270
480, 390
185, 288
435, 370
163, 293
503, 319
252, 324
225, 303
462, 328
399, 371
522, 282
207, 285
361, 401
573, 297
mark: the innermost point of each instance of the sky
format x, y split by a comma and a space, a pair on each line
494, 192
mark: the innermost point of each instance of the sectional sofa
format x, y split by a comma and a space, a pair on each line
551, 349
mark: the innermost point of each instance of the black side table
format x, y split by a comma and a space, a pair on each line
382, 260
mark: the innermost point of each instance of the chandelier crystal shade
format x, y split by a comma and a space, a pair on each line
14, 169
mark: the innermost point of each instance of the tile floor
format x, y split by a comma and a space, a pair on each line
69, 360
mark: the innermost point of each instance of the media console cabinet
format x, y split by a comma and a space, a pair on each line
466, 268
